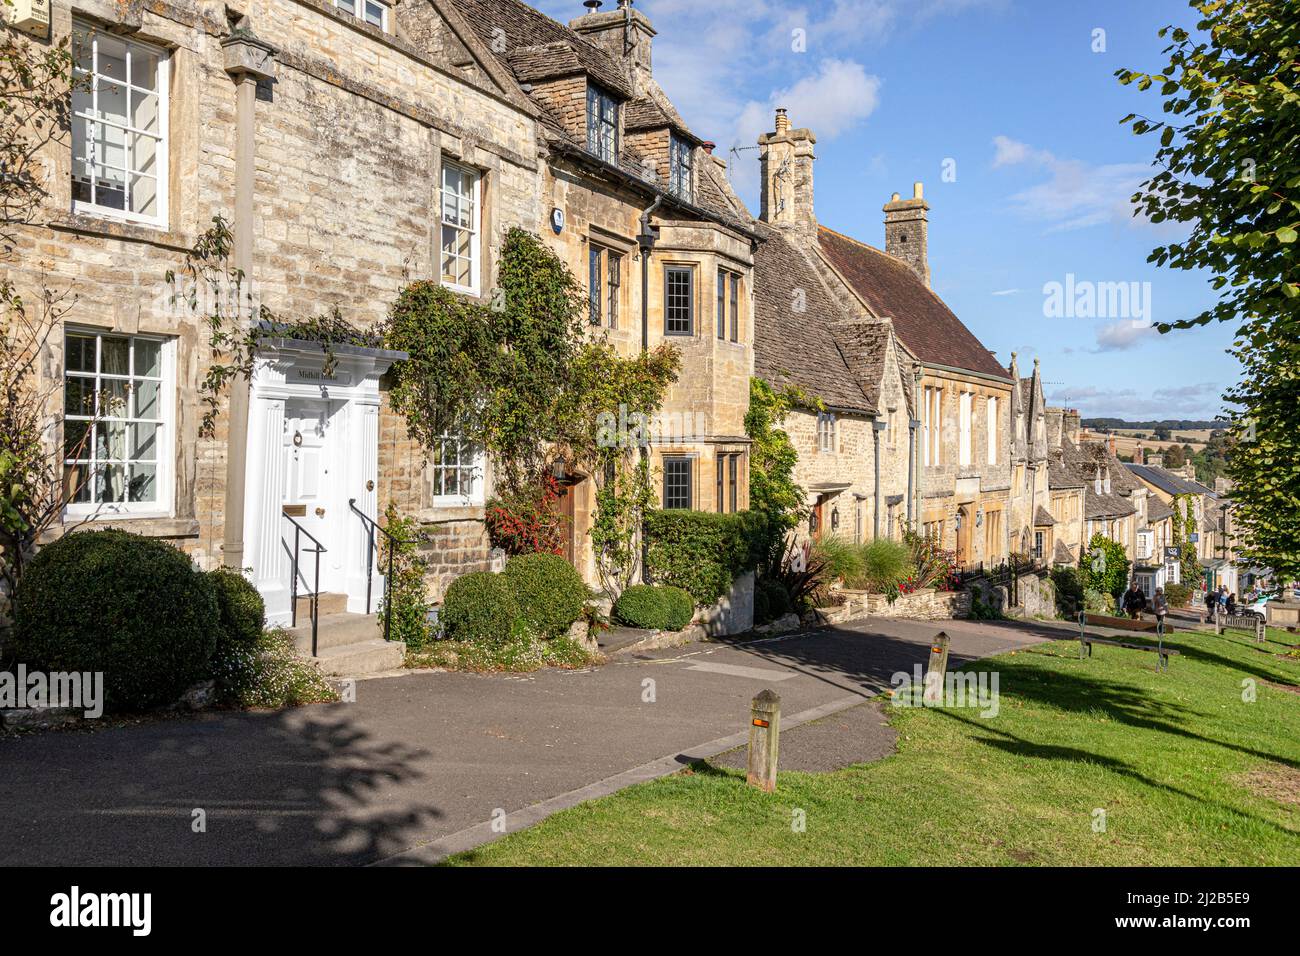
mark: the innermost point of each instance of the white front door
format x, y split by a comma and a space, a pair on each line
311, 492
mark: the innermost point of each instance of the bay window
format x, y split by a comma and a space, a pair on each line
119, 126
118, 423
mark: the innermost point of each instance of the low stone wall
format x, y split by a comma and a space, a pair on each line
924, 605
734, 614
453, 550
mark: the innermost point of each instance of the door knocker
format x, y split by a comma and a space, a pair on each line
297, 439
370, 486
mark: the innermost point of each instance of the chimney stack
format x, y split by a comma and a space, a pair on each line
626, 34
907, 231
786, 160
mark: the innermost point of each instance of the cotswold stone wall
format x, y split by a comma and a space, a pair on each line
349, 140
924, 605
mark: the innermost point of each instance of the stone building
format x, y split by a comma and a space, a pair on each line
353, 147
641, 210
951, 427
1032, 524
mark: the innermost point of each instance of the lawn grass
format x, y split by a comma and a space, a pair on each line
1187, 772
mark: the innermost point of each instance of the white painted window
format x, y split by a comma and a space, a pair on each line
826, 432
118, 423
456, 470
119, 127
964, 411
993, 430
460, 228
373, 13
932, 425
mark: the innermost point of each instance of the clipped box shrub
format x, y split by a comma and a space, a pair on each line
654, 608
549, 592
242, 610
702, 553
134, 608
480, 607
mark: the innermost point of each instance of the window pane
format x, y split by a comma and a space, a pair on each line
82, 49
110, 101
374, 14
115, 356
347, 6
678, 311
112, 483
144, 68
110, 188
144, 484
144, 442
79, 396
677, 483
146, 400
112, 57
593, 285
148, 358
722, 304
79, 353
110, 441
144, 111
144, 195
76, 440
76, 484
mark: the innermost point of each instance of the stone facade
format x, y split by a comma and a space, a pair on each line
348, 136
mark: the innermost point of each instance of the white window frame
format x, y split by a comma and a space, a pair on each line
965, 416
475, 469
475, 200
826, 432
993, 429
165, 438
359, 11
162, 158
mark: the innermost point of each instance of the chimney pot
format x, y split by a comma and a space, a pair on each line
593, 5
709, 147
782, 120
917, 191
895, 197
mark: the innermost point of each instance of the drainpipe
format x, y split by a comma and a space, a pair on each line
913, 425
877, 427
247, 60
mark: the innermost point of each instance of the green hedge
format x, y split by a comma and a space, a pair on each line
480, 607
549, 592
702, 553
654, 608
134, 608
242, 610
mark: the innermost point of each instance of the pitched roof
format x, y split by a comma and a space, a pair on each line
1080, 463
1043, 518
1157, 510
1169, 482
1061, 553
798, 348
520, 31
926, 326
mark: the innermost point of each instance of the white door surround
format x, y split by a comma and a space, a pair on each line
313, 444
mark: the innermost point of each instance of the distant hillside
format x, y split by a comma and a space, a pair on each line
1171, 424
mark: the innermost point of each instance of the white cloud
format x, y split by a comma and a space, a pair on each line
1120, 336
1006, 292
1195, 401
1076, 194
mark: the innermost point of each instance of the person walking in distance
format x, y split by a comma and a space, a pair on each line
1135, 602
1210, 602
1160, 604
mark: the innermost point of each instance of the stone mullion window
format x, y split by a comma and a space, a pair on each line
678, 483
679, 300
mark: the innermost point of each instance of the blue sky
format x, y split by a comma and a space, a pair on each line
1010, 92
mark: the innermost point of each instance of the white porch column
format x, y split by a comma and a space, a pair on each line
263, 529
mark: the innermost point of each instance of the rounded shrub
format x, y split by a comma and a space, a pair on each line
775, 597
132, 608
480, 607
242, 611
549, 592
655, 608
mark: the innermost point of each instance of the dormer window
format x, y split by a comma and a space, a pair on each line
371, 11
680, 183
602, 124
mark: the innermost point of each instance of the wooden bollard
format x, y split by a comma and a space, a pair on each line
937, 669
764, 738
1218, 621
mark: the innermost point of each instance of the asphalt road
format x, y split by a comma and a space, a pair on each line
418, 757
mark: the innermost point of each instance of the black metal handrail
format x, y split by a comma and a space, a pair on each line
371, 526
298, 532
